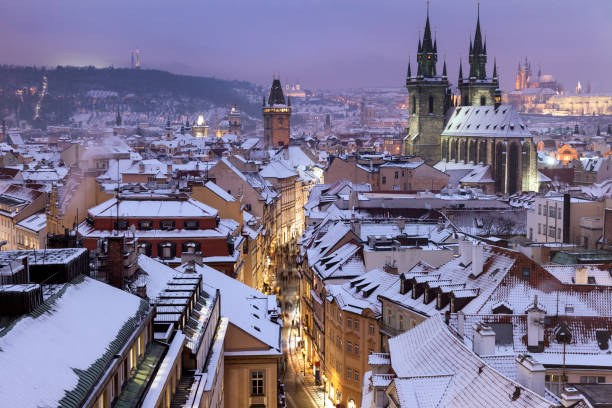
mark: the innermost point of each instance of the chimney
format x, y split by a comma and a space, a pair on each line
461, 323
530, 373
477, 258
116, 266
566, 218
483, 342
465, 251
582, 275
571, 396
535, 327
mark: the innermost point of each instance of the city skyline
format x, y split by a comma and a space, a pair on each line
318, 43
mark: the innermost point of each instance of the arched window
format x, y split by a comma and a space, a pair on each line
413, 104
483, 101
431, 104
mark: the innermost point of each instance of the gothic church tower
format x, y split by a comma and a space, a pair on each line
429, 99
476, 88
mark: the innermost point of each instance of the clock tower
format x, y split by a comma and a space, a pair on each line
277, 117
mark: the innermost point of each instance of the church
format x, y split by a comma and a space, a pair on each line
486, 140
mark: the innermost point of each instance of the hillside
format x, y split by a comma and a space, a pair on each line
149, 91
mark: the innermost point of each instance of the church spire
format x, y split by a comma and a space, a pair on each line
460, 71
444, 70
427, 54
409, 74
494, 68
478, 53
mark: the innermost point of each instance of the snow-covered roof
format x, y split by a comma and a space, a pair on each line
219, 191
362, 292
71, 337
435, 369
36, 222
153, 208
277, 169
486, 121
245, 307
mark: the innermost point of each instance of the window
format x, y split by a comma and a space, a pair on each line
371, 328
349, 347
559, 233
413, 104
554, 383
526, 273
591, 379
339, 316
356, 375
552, 212
396, 175
401, 322
257, 383
559, 213
539, 209
569, 309
355, 324
483, 101
167, 224
145, 224
431, 104
349, 323
356, 349
121, 224
349, 373
384, 179
539, 228
551, 232
192, 224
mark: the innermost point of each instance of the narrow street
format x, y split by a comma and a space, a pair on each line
300, 389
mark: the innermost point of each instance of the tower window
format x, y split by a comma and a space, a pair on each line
431, 104
483, 101
413, 104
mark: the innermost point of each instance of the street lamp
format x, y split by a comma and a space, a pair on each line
324, 389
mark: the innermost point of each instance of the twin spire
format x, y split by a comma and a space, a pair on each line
427, 55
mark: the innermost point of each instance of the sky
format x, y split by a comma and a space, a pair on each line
320, 43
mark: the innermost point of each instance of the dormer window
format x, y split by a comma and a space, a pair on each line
167, 224
121, 225
145, 224
192, 224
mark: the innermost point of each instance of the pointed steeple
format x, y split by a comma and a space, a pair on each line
409, 73
427, 52
460, 70
478, 36
427, 42
444, 70
276, 93
478, 53
494, 68
419, 71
